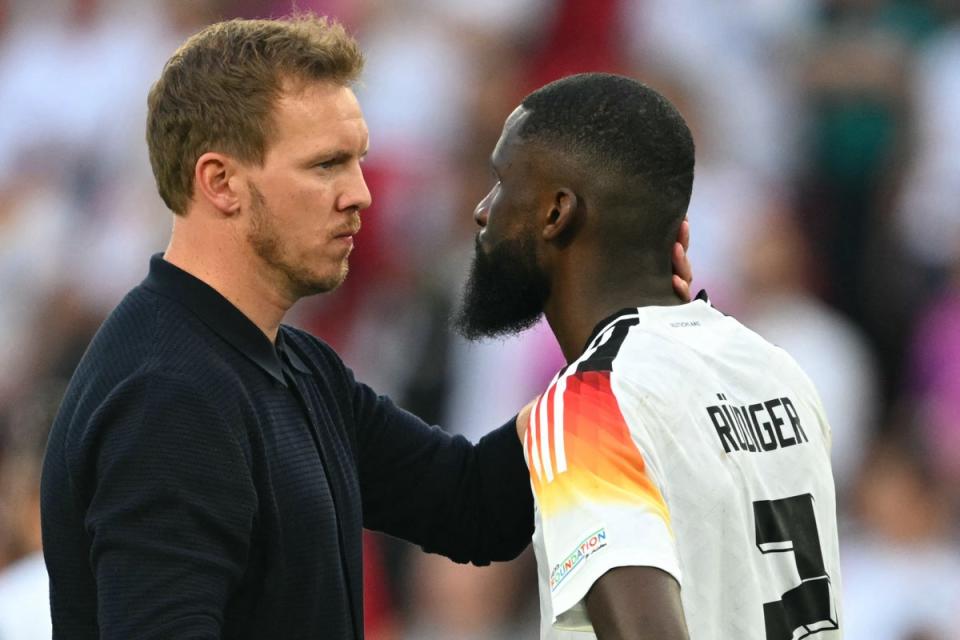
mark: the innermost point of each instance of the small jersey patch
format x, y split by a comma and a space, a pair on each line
590, 544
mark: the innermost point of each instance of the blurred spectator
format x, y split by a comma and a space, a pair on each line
928, 214
935, 380
901, 566
858, 101
380, 621
741, 55
472, 603
24, 599
35, 223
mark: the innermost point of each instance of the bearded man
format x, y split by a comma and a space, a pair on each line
680, 463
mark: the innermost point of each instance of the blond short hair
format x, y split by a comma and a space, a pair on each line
217, 92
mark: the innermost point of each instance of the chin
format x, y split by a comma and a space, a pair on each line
330, 282
309, 284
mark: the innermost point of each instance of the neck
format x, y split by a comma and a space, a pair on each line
576, 304
228, 265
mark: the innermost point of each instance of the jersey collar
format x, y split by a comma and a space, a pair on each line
627, 311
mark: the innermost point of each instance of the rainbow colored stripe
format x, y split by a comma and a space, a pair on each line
579, 449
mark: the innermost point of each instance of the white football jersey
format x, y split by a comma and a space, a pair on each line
682, 440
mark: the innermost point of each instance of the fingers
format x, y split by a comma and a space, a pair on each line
681, 263
523, 419
681, 288
682, 269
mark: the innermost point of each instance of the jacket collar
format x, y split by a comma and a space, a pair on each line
223, 318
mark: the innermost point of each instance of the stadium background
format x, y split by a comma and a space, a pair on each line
825, 214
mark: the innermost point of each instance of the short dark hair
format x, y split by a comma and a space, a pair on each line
631, 136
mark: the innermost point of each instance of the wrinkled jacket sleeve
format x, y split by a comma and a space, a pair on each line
469, 502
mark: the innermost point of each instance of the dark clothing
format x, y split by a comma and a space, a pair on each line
201, 483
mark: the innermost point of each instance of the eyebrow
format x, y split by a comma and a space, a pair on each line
334, 155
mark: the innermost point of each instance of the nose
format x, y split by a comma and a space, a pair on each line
356, 194
482, 212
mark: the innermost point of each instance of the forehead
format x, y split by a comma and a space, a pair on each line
537, 161
511, 147
317, 114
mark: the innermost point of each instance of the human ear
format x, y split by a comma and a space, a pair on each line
212, 180
561, 215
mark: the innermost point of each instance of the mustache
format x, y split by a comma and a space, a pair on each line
479, 252
352, 228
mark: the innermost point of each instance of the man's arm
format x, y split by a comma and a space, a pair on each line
636, 603
469, 502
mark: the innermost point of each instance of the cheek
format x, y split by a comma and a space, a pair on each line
511, 208
508, 220
499, 216
307, 212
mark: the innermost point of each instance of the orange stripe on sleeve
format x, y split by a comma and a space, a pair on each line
603, 463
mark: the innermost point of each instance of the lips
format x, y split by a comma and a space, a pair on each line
346, 235
348, 232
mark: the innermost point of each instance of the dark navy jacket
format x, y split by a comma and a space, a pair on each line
202, 482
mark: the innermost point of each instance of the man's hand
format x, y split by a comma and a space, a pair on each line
682, 270
523, 419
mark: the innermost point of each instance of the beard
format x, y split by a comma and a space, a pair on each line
295, 278
505, 291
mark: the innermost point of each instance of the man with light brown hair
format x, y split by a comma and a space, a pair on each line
210, 470
248, 113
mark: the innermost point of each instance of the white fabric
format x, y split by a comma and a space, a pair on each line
25, 600
641, 476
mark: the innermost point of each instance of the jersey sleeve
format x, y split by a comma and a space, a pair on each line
600, 503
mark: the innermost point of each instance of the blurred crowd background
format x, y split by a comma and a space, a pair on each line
825, 215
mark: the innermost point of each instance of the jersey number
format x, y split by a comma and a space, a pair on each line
790, 524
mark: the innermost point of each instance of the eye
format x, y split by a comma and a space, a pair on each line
333, 161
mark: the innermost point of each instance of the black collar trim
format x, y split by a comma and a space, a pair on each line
606, 322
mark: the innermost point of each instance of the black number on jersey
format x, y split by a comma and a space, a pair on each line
790, 524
